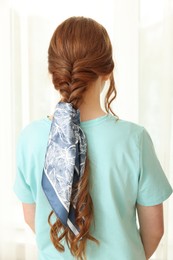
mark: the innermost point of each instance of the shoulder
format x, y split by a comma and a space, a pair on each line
138, 135
129, 129
130, 126
35, 127
33, 133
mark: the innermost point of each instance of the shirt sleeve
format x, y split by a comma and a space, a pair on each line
21, 186
154, 187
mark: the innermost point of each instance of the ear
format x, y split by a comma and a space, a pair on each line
106, 77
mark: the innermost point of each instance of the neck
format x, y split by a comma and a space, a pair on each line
90, 107
89, 111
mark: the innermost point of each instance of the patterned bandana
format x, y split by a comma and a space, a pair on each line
64, 162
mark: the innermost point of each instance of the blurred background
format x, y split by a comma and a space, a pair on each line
141, 32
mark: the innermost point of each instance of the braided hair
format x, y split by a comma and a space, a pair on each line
80, 51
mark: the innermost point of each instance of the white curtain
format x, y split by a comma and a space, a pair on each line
142, 35
156, 93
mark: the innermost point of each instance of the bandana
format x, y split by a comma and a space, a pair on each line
64, 163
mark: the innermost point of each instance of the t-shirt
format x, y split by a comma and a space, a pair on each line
124, 170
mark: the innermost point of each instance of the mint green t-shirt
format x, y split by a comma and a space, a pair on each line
124, 170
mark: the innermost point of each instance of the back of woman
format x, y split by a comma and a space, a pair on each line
84, 173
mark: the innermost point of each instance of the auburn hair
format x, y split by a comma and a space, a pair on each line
80, 51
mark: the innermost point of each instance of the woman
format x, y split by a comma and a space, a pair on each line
83, 173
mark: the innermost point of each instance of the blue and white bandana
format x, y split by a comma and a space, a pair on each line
64, 162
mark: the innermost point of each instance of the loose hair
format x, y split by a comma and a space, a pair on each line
80, 51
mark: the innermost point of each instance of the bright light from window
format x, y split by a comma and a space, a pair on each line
151, 11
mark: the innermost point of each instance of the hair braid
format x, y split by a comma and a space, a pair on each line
81, 77
80, 51
61, 78
72, 81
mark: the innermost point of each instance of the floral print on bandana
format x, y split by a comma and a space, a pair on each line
64, 162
